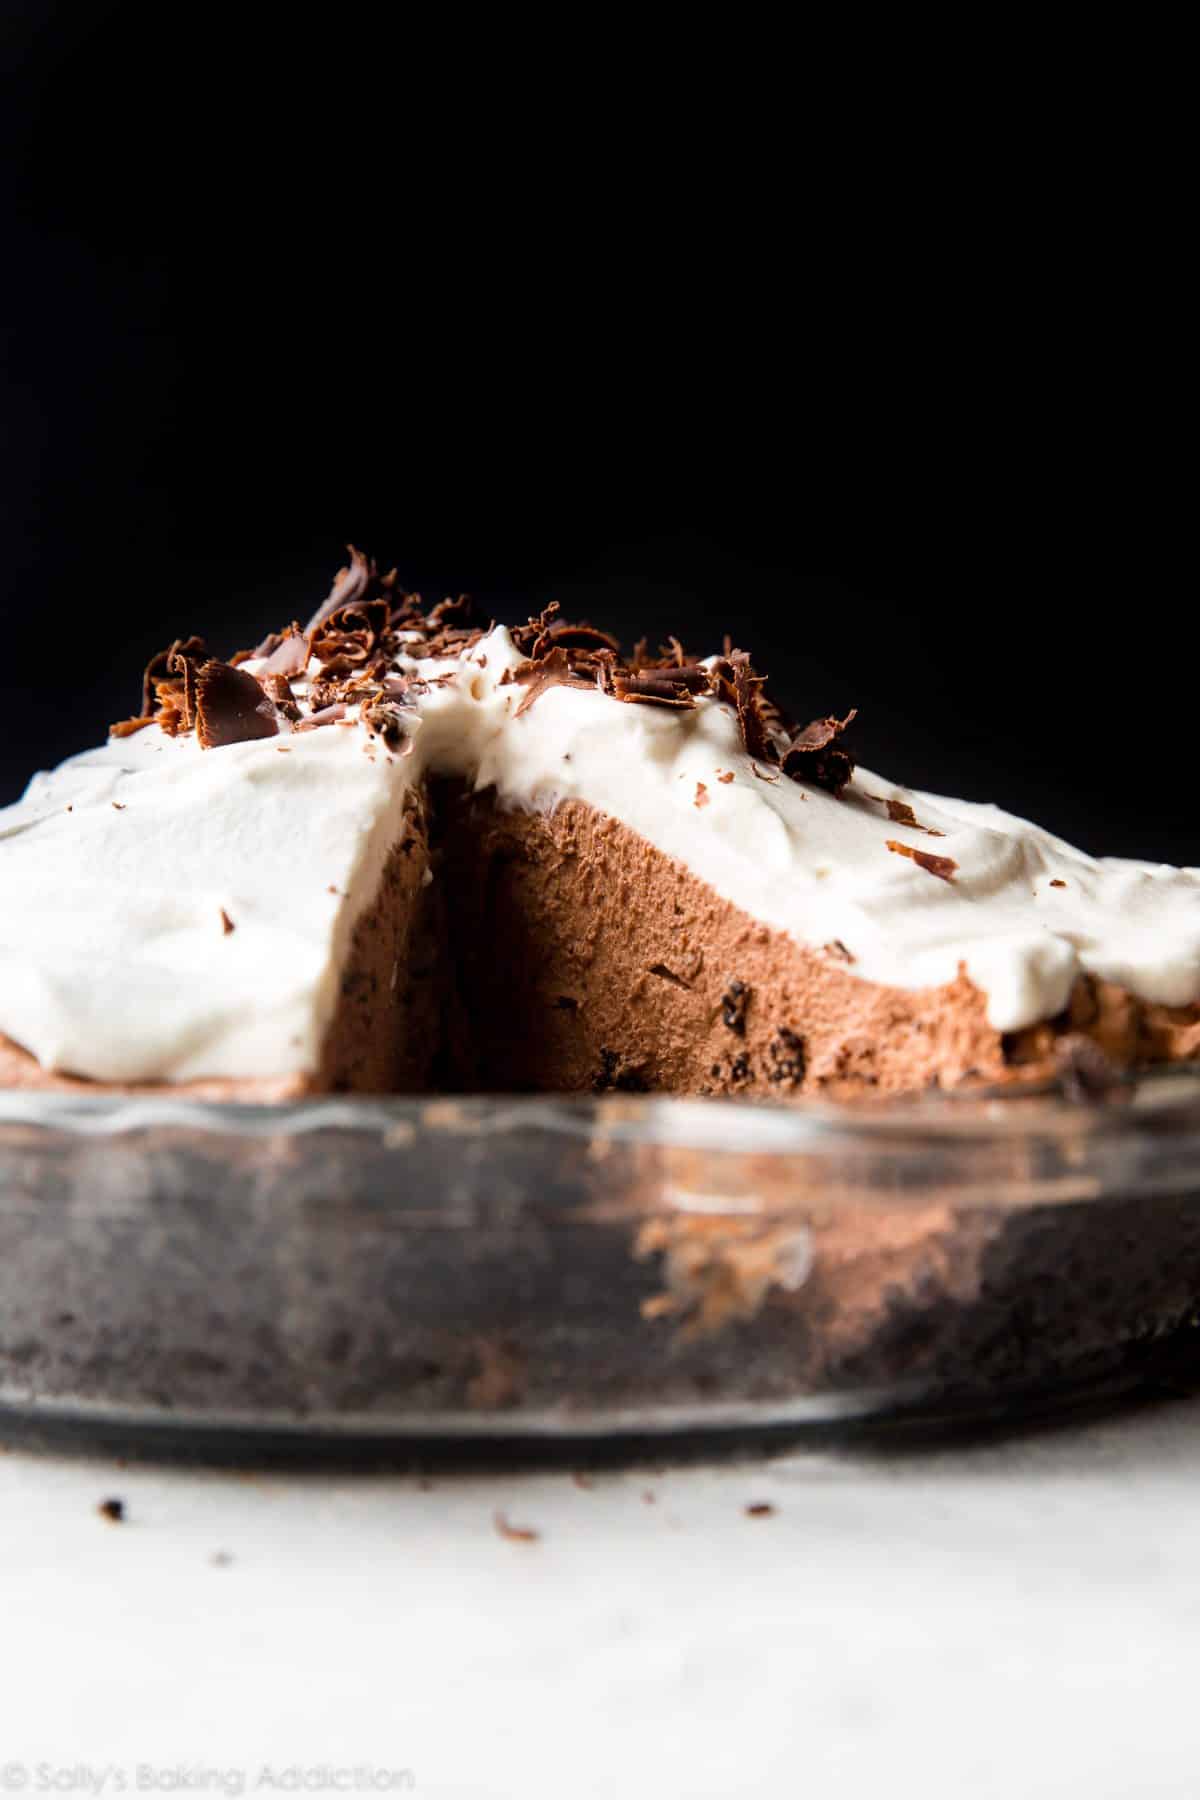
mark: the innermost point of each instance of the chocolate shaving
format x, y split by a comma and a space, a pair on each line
327, 715
231, 707
457, 612
449, 643
563, 636
759, 1509
746, 686
552, 671
327, 693
367, 621
279, 689
901, 813
227, 924
653, 690
838, 949
942, 866
815, 756
182, 664
288, 654
347, 641
1058, 884
526, 636
449, 629
349, 585
385, 719
193, 648
113, 1510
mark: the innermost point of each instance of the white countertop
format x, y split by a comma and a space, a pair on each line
1017, 1619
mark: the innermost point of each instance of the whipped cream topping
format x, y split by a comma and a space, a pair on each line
121, 869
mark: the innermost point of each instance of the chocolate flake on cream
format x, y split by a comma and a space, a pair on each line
901, 813
552, 671
943, 866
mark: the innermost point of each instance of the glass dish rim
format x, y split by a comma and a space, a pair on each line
1168, 1100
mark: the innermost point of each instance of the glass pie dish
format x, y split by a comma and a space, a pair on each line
347, 1271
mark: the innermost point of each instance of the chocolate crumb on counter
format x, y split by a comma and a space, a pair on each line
759, 1509
227, 924
516, 1534
1057, 883
113, 1510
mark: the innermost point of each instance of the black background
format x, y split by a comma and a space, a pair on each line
682, 344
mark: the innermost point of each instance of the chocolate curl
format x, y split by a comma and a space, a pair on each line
159, 666
325, 715
524, 637
565, 636
815, 756
279, 689
288, 655
349, 585
231, 707
746, 685
348, 639
659, 689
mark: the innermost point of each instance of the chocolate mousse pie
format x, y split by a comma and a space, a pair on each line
399, 849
